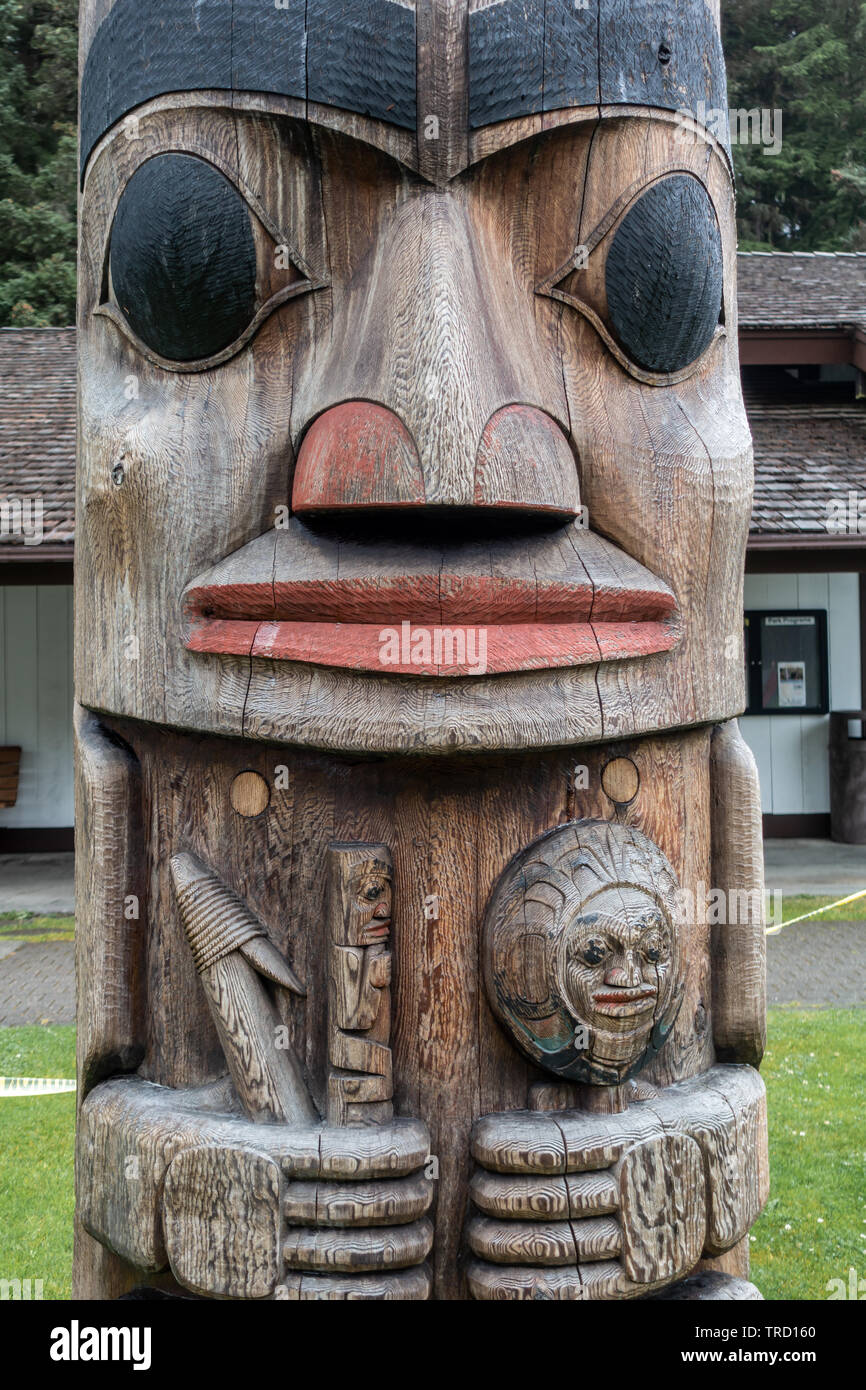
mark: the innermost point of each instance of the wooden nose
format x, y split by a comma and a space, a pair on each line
357, 455
361, 455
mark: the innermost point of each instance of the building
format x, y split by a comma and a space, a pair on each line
803, 350
803, 356
37, 496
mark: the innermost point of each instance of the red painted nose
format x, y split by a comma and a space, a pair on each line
360, 455
357, 455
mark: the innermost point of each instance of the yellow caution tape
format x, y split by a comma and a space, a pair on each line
34, 1085
843, 902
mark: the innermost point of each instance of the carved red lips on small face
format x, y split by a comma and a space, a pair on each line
622, 1003
560, 599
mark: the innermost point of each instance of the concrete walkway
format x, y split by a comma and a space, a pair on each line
37, 982
39, 883
818, 964
817, 868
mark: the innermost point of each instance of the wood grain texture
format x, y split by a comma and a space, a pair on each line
452, 829
218, 1218
662, 1208
687, 1170
250, 794
544, 1243
362, 1204
111, 903
231, 951
443, 90
222, 1222
738, 942
358, 913
432, 417
398, 1286
541, 55
558, 1198
360, 59
416, 285
363, 1251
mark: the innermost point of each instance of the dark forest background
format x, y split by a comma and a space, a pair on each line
804, 57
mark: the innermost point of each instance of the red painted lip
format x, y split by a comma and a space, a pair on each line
373, 934
620, 997
569, 600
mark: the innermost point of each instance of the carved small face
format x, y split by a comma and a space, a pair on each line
370, 923
615, 963
582, 961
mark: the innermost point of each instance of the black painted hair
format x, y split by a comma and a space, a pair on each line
524, 56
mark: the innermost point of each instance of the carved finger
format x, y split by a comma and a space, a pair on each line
519, 1142
386, 1203
402, 1285
542, 1198
506, 1283
359, 1250
377, 1151
598, 1281
544, 1243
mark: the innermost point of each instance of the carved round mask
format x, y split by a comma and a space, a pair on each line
582, 958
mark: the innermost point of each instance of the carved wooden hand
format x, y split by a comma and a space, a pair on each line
573, 1205
242, 1210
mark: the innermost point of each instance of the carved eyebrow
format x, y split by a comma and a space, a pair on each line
527, 57
524, 57
359, 57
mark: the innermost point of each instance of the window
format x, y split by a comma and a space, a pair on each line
786, 662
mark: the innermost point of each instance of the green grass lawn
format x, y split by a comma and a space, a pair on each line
36, 1161
23, 926
814, 1228
797, 906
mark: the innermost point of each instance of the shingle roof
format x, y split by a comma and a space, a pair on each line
37, 428
801, 290
808, 455
810, 449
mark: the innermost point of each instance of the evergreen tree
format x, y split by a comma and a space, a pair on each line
38, 67
806, 59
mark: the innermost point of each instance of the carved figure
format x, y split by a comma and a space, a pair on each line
582, 960
413, 492
360, 1085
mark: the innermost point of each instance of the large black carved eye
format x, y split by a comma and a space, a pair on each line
183, 258
664, 276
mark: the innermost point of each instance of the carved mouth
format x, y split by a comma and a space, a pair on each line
380, 932
620, 1003
562, 599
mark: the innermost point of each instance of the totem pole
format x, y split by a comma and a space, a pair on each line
413, 494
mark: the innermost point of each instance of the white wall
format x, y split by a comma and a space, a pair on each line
36, 701
791, 751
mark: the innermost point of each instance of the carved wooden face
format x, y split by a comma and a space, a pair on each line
368, 923
582, 962
342, 386
616, 970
